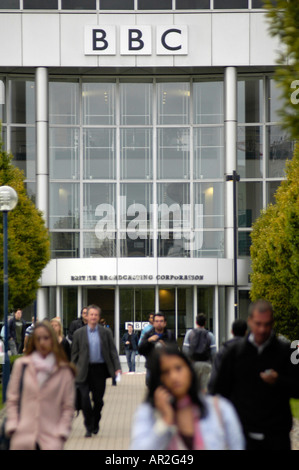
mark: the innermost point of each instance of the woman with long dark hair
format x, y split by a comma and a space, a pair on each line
175, 416
40, 394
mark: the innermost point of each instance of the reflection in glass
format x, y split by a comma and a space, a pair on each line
250, 100
250, 151
64, 102
98, 103
78, 4
22, 101
154, 4
281, 148
38, 5
258, 3
23, 150
208, 244
192, 4
99, 207
173, 247
250, 202
117, 5
209, 205
135, 202
227, 4
136, 103
64, 245
272, 187
9, 4
31, 191
275, 102
173, 201
94, 247
64, 205
173, 153
208, 152
208, 102
139, 247
136, 153
99, 153
64, 153
173, 102
244, 243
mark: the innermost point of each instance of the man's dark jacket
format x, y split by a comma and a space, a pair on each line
12, 329
262, 407
80, 352
134, 341
146, 347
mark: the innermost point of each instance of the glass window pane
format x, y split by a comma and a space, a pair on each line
64, 103
154, 4
31, 191
37, 4
208, 102
244, 243
172, 199
94, 247
64, 245
9, 4
258, 3
139, 247
99, 153
226, 4
275, 102
64, 205
99, 207
272, 187
135, 206
117, 5
2, 102
78, 4
172, 247
192, 4
250, 202
281, 148
23, 150
209, 212
250, 100
208, 244
98, 103
173, 102
136, 153
208, 152
173, 153
64, 153
22, 102
136, 103
250, 152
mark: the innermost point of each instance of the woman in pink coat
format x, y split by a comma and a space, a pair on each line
42, 417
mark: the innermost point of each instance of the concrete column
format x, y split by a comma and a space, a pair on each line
42, 165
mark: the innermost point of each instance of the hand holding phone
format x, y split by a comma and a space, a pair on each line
164, 402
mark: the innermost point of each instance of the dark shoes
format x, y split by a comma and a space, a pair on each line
94, 431
88, 434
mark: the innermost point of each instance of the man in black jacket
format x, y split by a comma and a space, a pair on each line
156, 337
257, 375
78, 323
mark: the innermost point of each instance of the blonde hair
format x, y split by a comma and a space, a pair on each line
58, 321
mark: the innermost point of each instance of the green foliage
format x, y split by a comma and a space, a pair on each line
275, 253
28, 240
283, 17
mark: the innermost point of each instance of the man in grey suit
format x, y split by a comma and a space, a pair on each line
96, 358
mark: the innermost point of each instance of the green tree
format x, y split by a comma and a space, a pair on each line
283, 17
28, 240
275, 253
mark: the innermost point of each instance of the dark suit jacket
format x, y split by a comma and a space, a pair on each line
80, 352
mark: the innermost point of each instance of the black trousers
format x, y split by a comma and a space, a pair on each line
94, 386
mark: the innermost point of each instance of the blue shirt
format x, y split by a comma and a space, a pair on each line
95, 353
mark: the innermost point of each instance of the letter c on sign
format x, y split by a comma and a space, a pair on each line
163, 39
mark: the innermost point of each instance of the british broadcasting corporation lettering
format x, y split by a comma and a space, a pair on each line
139, 277
136, 40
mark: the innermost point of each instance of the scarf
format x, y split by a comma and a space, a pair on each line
177, 442
44, 366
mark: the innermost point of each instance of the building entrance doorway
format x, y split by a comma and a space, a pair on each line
105, 299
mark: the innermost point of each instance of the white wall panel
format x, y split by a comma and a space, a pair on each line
10, 39
72, 40
199, 40
230, 39
40, 40
263, 48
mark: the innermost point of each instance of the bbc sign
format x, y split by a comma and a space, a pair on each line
136, 40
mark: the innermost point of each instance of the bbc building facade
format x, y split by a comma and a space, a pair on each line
127, 116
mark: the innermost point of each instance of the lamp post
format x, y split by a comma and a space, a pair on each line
8, 201
234, 178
